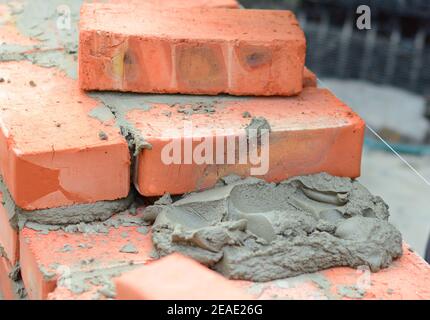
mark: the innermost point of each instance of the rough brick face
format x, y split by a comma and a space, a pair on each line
176, 277
314, 132
51, 151
194, 51
44, 257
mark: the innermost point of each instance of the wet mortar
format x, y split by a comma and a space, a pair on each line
67, 215
253, 230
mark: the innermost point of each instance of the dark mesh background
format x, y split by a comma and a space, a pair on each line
396, 51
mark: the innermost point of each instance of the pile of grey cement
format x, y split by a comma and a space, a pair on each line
253, 230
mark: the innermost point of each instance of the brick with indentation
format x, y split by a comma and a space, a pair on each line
45, 258
51, 150
8, 235
176, 277
195, 51
314, 132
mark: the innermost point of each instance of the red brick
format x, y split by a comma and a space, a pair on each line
37, 283
44, 259
196, 51
8, 287
408, 278
231, 4
8, 235
52, 154
64, 293
176, 277
311, 133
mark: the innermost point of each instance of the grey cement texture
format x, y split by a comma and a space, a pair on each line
254, 230
74, 214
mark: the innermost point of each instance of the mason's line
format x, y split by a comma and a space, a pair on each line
386, 143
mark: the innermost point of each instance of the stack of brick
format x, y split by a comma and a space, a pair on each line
209, 51
68, 158
59, 164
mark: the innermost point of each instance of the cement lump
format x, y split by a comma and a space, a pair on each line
253, 230
122, 219
97, 211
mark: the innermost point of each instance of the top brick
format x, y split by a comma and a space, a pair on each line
193, 51
231, 4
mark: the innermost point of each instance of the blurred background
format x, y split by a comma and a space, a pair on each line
384, 75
